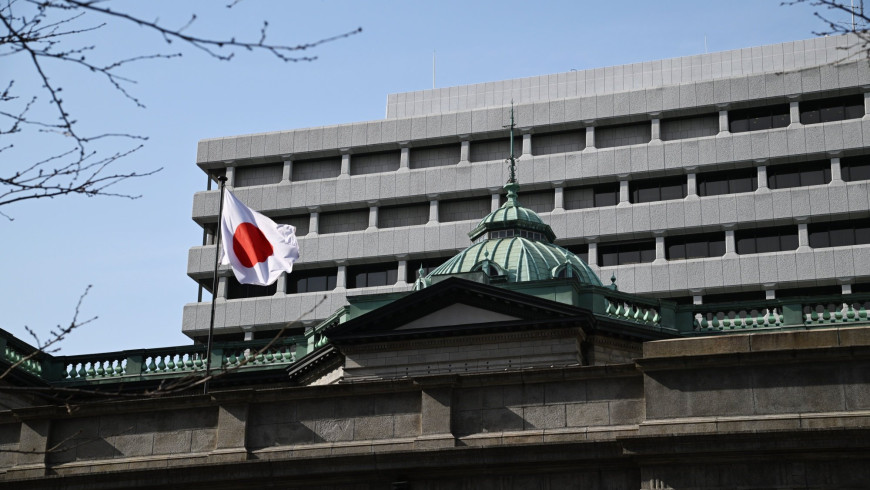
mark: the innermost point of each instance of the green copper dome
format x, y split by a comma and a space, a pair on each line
513, 244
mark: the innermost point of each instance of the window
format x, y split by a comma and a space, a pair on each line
428, 266
236, 290
434, 156
799, 175
323, 168
403, 215
763, 240
734, 297
689, 127
591, 197
759, 118
493, 150
563, 142
580, 250
828, 110
622, 135
626, 253
658, 189
855, 168
531, 235
366, 276
727, 182
839, 233
312, 280
344, 221
464, 209
538, 201
372, 163
249, 175
300, 221
695, 246
813, 291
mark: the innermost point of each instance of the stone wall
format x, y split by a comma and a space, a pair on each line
774, 410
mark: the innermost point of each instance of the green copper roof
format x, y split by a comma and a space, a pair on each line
512, 216
518, 259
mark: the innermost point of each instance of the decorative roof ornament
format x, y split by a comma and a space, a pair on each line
512, 161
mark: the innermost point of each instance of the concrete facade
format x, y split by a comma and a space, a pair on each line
443, 150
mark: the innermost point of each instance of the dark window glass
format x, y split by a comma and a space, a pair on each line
799, 175
695, 246
658, 189
861, 287
855, 168
312, 280
734, 297
813, 291
236, 290
580, 250
833, 109
363, 276
626, 253
759, 118
428, 266
762, 240
727, 182
839, 233
606, 194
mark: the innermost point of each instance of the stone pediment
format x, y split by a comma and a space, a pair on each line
457, 307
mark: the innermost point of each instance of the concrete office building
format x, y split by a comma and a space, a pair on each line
726, 176
506, 363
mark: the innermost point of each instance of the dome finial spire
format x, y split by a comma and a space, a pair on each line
512, 161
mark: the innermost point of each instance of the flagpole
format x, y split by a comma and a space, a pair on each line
214, 285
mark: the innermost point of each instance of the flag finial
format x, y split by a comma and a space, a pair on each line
512, 161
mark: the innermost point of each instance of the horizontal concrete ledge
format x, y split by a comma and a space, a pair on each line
334, 449
543, 436
137, 463
755, 424
758, 342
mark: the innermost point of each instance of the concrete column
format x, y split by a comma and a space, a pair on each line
435, 417
345, 162
287, 174
692, 184
249, 333
803, 238
231, 176
655, 128
33, 444
762, 178
794, 112
593, 254
769, 294
730, 243
495, 203
313, 220
847, 288
281, 290
403, 271
866, 105
836, 172
341, 278
558, 197
723, 123
465, 151
222, 288
209, 237
624, 198
527, 143
373, 216
697, 299
660, 248
590, 137
433, 212
404, 157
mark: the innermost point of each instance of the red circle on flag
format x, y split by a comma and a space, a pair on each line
250, 245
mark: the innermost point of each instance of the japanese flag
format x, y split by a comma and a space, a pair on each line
257, 248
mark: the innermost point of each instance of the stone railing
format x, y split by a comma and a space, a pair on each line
18, 353
771, 314
170, 362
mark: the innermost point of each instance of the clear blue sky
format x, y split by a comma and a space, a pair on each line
134, 253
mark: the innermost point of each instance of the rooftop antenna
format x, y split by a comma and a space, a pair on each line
512, 161
852, 10
705, 44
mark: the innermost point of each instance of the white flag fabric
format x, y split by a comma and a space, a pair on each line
257, 248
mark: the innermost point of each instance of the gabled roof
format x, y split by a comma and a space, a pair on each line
458, 307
